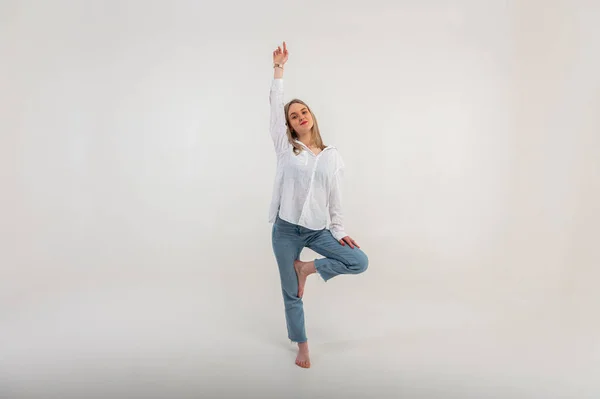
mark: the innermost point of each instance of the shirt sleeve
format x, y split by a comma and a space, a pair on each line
278, 127
335, 205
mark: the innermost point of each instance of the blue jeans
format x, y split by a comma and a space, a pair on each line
288, 241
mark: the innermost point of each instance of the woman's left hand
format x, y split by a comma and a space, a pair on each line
348, 240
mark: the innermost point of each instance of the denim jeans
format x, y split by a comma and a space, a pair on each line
288, 241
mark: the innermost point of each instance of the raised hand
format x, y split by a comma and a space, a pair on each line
280, 56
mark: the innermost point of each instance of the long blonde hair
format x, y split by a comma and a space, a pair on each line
292, 135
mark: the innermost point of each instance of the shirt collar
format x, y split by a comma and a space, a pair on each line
304, 145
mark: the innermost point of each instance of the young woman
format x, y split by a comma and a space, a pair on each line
306, 193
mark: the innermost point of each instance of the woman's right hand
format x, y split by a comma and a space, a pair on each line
280, 56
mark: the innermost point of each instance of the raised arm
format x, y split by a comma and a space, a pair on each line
278, 127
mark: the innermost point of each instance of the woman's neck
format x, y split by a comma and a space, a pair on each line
307, 141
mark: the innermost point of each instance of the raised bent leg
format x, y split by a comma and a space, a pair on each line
339, 259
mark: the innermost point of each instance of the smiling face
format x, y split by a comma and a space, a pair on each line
300, 119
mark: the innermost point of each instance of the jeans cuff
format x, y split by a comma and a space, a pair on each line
318, 265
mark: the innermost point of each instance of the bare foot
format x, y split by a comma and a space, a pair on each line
303, 270
303, 359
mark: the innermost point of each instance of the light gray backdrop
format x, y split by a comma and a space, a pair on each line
137, 170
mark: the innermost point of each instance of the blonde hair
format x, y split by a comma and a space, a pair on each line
292, 135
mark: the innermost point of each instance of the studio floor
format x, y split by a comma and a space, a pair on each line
186, 335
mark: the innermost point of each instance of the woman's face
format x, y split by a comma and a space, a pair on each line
301, 120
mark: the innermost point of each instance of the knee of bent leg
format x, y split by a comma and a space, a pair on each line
360, 262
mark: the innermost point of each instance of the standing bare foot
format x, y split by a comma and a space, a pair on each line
303, 270
303, 359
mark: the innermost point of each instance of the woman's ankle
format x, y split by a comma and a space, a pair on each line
303, 345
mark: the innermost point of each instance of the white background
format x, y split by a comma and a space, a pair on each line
137, 170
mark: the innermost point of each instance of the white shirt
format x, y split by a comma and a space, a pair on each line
307, 189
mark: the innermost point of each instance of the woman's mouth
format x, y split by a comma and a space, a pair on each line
303, 123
